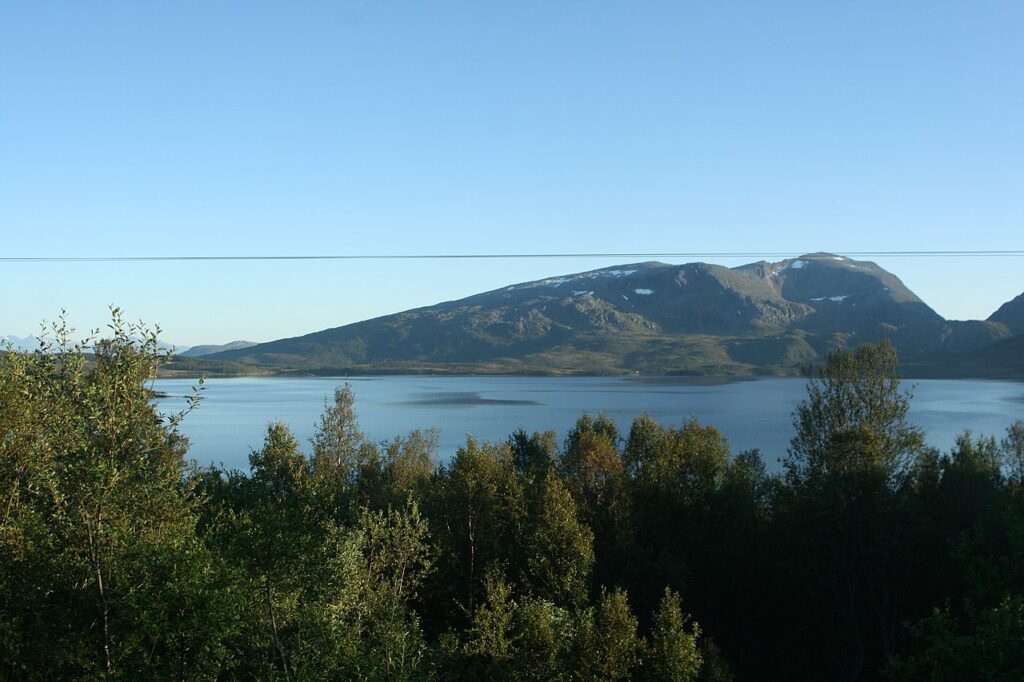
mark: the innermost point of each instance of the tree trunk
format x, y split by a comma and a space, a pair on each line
273, 623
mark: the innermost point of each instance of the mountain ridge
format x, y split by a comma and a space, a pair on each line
648, 317
1011, 314
210, 348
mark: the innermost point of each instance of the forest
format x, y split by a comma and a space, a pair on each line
654, 554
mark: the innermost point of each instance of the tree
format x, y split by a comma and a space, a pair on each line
100, 567
674, 655
592, 462
840, 515
511, 638
558, 548
676, 472
685, 463
375, 571
602, 425
608, 646
989, 650
975, 509
402, 470
543, 634
732, 566
592, 467
1013, 452
489, 647
533, 455
408, 462
854, 418
476, 504
323, 599
277, 527
339, 449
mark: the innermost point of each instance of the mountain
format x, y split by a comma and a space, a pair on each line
20, 343
1011, 314
208, 349
32, 343
760, 318
1000, 360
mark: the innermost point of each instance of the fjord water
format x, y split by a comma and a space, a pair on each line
231, 419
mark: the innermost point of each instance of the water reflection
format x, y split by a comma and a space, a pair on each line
751, 413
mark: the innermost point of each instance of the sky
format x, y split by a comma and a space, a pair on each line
344, 128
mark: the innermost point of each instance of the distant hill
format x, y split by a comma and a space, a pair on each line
1001, 360
760, 318
33, 343
208, 349
20, 343
1011, 314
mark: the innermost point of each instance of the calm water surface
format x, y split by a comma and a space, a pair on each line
232, 418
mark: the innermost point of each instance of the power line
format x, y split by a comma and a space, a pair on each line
508, 256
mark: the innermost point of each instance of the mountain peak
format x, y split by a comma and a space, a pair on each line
649, 317
210, 349
1011, 314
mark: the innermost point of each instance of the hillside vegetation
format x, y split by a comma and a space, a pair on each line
652, 318
656, 554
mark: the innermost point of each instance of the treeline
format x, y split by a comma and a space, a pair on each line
654, 554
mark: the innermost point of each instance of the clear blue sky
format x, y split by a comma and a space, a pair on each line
178, 128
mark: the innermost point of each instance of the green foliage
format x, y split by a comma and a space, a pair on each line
839, 515
376, 569
602, 427
512, 561
593, 468
276, 521
674, 654
608, 644
339, 449
558, 547
544, 640
407, 463
592, 464
854, 418
687, 462
988, 647
99, 564
512, 638
477, 506
490, 637
533, 455
1013, 452
676, 473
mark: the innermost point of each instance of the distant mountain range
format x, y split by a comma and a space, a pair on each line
209, 349
652, 318
32, 343
20, 343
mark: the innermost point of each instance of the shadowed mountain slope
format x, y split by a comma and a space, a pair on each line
1011, 314
209, 349
760, 318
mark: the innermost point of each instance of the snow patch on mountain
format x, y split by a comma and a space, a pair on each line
796, 265
555, 282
